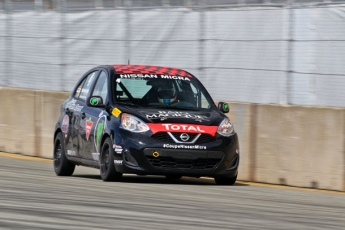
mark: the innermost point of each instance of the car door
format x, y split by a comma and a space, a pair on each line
74, 108
95, 119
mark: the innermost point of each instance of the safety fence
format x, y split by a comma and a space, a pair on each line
280, 52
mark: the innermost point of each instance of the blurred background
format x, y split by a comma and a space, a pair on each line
280, 63
263, 51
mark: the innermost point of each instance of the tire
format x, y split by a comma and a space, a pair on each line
62, 166
173, 177
106, 161
225, 180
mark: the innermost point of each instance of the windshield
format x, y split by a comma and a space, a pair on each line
183, 93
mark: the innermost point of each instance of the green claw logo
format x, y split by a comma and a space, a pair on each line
226, 107
94, 101
99, 131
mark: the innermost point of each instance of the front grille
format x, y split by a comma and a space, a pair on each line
169, 162
204, 138
191, 136
162, 137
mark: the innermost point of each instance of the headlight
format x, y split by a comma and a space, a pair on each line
133, 123
226, 128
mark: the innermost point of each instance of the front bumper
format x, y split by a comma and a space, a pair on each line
141, 155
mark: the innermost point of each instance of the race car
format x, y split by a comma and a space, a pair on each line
145, 120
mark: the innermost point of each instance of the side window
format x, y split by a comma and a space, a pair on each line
204, 102
84, 87
101, 87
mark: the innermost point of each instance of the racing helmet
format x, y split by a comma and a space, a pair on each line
166, 93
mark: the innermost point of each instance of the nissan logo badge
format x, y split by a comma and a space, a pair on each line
184, 137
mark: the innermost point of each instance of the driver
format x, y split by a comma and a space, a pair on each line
166, 93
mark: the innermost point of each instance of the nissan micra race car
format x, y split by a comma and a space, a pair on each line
145, 120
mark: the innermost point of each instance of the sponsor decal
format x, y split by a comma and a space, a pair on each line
88, 126
160, 76
78, 91
65, 124
71, 153
83, 93
94, 101
169, 146
116, 112
175, 77
118, 162
99, 131
175, 114
226, 107
117, 148
95, 156
183, 128
72, 105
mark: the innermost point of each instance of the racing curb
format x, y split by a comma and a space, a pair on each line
249, 183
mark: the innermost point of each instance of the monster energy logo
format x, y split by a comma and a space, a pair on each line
99, 131
94, 101
226, 107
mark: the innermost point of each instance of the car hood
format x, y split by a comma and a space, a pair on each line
209, 117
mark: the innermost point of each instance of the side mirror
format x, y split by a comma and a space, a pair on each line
223, 107
95, 101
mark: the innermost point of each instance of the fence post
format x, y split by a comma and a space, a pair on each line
127, 54
202, 28
290, 53
8, 62
62, 6
38, 5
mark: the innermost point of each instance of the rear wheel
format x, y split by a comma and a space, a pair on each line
225, 180
106, 160
62, 166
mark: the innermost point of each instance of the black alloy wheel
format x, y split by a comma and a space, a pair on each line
62, 166
106, 161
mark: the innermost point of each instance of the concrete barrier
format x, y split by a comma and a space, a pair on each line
300, 146
291, 145
27, 120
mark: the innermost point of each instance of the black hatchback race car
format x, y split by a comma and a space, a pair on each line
145, 120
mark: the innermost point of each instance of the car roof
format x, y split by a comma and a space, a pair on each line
147, 69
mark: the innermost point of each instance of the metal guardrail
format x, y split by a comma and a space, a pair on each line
77, 5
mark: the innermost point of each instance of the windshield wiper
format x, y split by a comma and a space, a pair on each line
127, 104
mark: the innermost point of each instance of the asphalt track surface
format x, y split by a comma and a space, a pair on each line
32, 197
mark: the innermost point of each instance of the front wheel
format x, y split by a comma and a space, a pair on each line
106, 160
225, 180
62, 166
